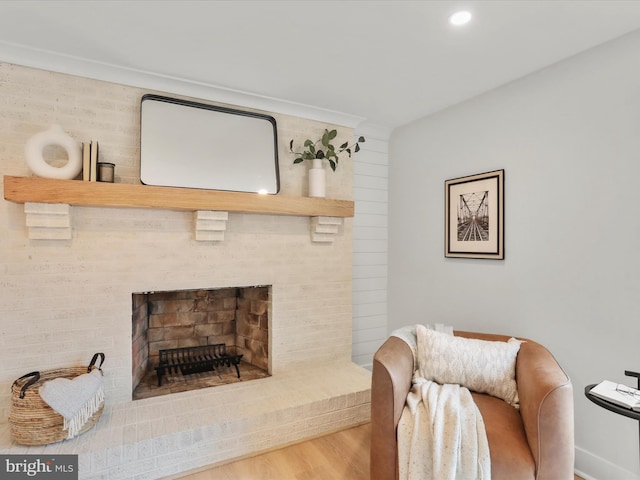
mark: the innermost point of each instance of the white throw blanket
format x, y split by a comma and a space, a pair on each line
75, 399
441, 434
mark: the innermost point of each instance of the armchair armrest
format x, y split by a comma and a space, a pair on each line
390, 385
546, 407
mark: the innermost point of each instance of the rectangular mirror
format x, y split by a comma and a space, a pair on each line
189, 144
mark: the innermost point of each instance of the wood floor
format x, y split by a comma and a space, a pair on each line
339, 456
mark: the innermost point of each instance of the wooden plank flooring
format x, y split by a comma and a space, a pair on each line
339, 456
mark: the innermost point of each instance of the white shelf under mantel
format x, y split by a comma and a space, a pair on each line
48, 201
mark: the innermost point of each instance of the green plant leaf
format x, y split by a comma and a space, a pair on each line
326, 150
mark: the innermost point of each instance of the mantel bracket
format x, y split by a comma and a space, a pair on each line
325, 229
48, 221
210, 225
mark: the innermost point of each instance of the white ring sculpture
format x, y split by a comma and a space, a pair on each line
53, 136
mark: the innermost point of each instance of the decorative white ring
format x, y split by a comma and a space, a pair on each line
53, 136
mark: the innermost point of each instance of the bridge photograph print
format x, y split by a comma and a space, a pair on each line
474, 216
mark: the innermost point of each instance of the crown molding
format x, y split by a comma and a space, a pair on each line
374, 131
56, 62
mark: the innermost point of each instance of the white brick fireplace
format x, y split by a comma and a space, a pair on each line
63, 300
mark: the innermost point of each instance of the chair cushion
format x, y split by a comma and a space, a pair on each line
511, 457
480, 365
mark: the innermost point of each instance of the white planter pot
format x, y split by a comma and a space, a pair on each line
317, 179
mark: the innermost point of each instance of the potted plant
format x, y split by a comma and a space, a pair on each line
319, 150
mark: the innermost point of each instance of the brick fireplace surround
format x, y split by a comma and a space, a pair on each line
63, 300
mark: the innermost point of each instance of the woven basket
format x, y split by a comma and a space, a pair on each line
31, 420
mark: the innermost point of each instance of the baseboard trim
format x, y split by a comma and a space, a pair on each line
367, 366
592, 467
583, 475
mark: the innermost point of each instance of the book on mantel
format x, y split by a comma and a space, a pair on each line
90, 161
618, 393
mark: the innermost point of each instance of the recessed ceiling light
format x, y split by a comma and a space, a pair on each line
460, 18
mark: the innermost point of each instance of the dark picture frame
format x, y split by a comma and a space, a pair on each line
474, 216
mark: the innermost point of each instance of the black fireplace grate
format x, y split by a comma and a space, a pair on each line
189, 360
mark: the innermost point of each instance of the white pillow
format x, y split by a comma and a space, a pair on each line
480, 365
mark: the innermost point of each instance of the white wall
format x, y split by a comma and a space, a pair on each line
370, 240
568, 138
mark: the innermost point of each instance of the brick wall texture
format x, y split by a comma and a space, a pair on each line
139, 337
63, 300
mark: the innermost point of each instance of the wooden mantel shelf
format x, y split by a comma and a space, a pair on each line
97, 194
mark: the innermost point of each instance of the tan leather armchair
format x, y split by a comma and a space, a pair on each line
535, 442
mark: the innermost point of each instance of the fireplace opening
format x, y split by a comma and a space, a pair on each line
191, 339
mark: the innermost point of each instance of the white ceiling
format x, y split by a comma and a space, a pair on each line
389, 62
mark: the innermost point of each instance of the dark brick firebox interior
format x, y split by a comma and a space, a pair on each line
235, 316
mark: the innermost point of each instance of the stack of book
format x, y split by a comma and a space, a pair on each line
618, 393
90, 161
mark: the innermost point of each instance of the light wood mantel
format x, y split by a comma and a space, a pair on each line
97, 194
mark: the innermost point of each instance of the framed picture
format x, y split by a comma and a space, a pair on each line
474, 216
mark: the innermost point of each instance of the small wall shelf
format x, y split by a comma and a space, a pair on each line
97, 194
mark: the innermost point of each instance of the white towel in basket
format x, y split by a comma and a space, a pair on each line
75, 399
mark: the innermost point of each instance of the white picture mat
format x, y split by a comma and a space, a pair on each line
490, 185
